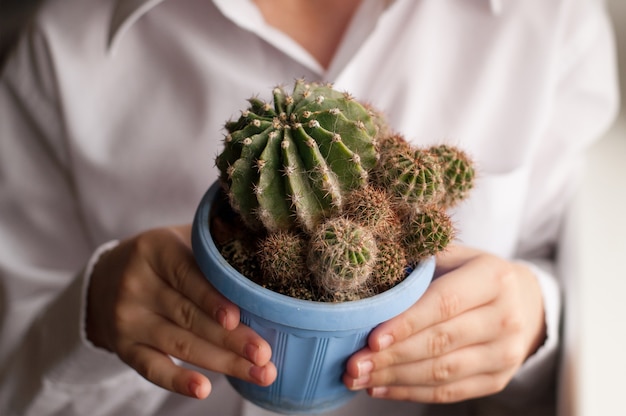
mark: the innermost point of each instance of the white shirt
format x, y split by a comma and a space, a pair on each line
111, 113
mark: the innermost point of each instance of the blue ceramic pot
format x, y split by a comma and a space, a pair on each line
311, 341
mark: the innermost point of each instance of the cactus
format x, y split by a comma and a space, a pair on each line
282, 257
291, 163
371, 207
458, 173
391, 265
342, 255
426, 232
412, 175
339, 205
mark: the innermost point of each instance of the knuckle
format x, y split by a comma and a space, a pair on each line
439, 343
498, 383
511, 356
441, 371
186, 314
182, 349
445, 394
180, 274
511, 323
449, 305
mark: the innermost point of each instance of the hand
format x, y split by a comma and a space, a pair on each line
148, 300
465, 338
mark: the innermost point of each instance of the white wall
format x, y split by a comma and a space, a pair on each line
599, 377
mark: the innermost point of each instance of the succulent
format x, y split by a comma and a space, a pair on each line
342, 255
458, 173
282, 257
412, 175
426, 232
336, 207
391, 265
290, 164
372, 207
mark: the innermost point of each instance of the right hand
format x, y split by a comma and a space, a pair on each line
147, 301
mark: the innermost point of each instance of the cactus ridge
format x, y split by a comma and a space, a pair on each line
342, 255
292, 162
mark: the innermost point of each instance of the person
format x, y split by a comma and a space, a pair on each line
111, 113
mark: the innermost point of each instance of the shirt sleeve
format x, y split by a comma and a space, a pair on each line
584, 105
46, 365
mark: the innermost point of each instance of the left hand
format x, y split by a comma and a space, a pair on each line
465, 338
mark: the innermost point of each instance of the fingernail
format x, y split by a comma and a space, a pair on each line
221, 316
196, 390
360, 382
379, 391
385, 341
252, 352
364, 367
258, 373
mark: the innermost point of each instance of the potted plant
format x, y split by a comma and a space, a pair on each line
322, 225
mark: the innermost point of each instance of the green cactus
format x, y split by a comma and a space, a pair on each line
411, 175
282, 257
458, 173
290, 164
391, 265
426, 232
336, 206
371, 207
342, 255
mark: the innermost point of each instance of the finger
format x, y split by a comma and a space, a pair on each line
186, 315
453, 257
177, 266
478, 326
473, 285
471, 387
159, 369
457, 365
172, 340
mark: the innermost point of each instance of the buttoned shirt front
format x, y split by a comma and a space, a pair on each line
111, 113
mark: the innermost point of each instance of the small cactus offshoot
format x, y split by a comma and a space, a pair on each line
342, 255
341, 207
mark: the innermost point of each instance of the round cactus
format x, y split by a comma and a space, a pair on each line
458, 173
371, 207
391, 265
342, 255
426, 232
290, 163
412, 175
282, 257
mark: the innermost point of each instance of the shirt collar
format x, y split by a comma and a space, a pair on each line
127, 12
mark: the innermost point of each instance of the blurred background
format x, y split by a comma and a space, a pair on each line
595, 361
598, 232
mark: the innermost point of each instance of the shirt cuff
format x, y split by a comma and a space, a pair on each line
537, 372
82, 363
